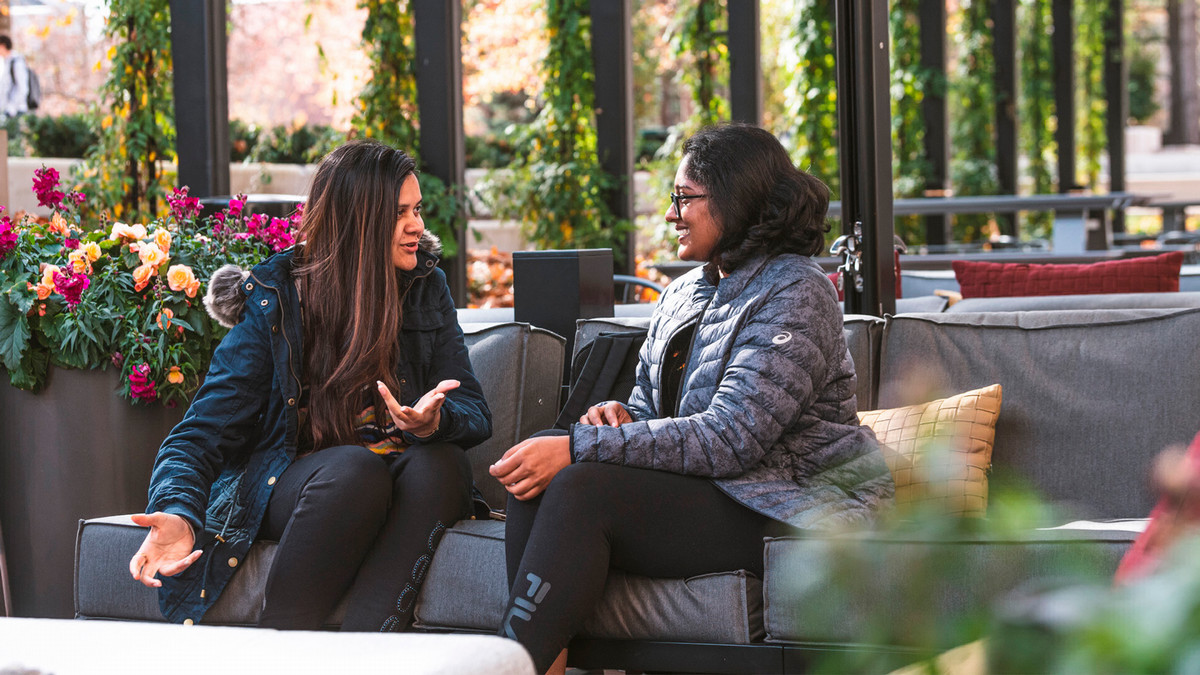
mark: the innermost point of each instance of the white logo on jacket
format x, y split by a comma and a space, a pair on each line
782, 338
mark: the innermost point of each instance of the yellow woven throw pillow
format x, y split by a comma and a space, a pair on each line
942, 450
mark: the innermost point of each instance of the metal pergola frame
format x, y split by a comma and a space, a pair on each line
862, 46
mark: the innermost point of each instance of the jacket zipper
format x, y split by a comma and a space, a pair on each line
283, 329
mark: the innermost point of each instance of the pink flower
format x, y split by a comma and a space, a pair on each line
235, 205
71, 285
71, 243
45, 182
141, 385
183, 207
8, 237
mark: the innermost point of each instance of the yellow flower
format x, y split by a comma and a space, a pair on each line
151, 254
181, 278
122, 231
163, 239
92, 249
48, 273
174, 375
141, 277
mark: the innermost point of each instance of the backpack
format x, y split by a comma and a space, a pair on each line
33, 98
603, 370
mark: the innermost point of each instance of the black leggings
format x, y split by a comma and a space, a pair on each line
561, 544
353, 523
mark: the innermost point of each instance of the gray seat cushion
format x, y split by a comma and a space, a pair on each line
1090, 397
864, 334
465, 590
917, 590
519, 368
1096, 301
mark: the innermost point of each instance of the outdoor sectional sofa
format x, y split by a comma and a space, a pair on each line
1094, 387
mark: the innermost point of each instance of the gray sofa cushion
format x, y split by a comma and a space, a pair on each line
863, 336
467, 590
911, 590
1090, 397
519, 368
1077, 302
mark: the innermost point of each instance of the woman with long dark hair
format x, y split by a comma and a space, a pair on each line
742, 423
333, 418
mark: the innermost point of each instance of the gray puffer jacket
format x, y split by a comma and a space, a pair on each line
766, 405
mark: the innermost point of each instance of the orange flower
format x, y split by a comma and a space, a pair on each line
92, 249
79, 261
175, 376
44, 291
122, 231
141, 276
165, 314
151, 254
163, 239
58, 224
181, 278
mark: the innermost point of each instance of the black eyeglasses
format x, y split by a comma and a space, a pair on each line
679, 201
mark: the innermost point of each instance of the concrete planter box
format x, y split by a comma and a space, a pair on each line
75, 450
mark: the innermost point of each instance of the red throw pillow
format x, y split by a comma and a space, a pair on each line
1132, 275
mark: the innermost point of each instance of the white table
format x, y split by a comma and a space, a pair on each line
68, 647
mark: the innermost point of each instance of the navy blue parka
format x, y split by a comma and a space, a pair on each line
218, 466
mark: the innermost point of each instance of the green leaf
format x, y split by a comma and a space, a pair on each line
14, 335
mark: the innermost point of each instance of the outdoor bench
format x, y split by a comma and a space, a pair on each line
1090, 396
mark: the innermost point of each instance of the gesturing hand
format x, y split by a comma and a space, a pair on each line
423, 418
167, 549
610, 413
528, 467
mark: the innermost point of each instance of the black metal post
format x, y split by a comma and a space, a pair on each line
612, 62
745, 62
865, 147
1064, 91
934, 110
438, 28
201, 95
1004, 52
1116, 90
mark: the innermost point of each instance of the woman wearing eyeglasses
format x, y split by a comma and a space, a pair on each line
742, 423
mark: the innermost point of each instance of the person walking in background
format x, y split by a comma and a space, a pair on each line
742, 422
14, 83
333, 419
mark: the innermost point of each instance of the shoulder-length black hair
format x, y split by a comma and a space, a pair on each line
351, 289
762, 203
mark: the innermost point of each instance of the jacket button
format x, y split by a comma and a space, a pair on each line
249, 287
274, 329
291, 401
188, 622
429, 263
264, 303
233, 562
271, 480
403, 381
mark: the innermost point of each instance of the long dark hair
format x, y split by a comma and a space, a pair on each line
351, 290
762, 202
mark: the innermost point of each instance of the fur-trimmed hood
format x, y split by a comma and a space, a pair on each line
226, 296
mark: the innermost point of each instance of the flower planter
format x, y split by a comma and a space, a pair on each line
75, 450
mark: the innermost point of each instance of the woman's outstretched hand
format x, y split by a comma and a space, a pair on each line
167, 549
528, 467
608, 414
423, 418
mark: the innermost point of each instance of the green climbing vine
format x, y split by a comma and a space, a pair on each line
1037, 118
972, 114
558, 190
386, 107
909, 82
1090, 103
810, 92
136, 118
